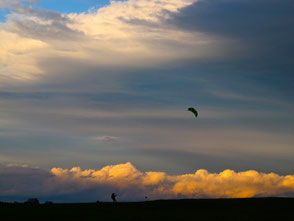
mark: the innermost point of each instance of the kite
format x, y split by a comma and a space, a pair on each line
193, 111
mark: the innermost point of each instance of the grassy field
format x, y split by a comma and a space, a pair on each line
197, 209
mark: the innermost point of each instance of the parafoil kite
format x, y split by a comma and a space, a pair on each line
192, 109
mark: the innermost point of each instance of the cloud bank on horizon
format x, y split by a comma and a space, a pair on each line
18, 182
114, 83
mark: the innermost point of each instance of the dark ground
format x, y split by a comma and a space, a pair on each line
279, 209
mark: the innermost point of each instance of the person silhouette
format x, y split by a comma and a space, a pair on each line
113, 197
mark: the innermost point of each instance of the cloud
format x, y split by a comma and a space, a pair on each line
228, 183
105, 138
261, 28
22, 180
16, 60
132, 184
15, 3
131, 68
104, 39
21, 165
138, 34
40, 24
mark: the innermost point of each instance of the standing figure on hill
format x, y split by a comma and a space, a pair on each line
113, 197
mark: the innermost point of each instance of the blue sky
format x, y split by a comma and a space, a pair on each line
3, 12
70, 6
65, 6
113, 86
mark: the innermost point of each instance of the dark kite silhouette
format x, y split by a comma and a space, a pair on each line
193, 110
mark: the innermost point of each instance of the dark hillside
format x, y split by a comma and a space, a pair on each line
279, 209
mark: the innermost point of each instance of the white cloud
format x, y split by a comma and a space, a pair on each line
17, 58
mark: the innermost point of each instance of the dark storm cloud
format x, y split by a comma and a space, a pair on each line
261, 31
21, 180
266, 26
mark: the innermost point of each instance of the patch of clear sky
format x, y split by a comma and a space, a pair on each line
64, 6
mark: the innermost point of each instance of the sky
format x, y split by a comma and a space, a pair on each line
94, 97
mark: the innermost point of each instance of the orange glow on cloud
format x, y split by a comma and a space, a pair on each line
227, 184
